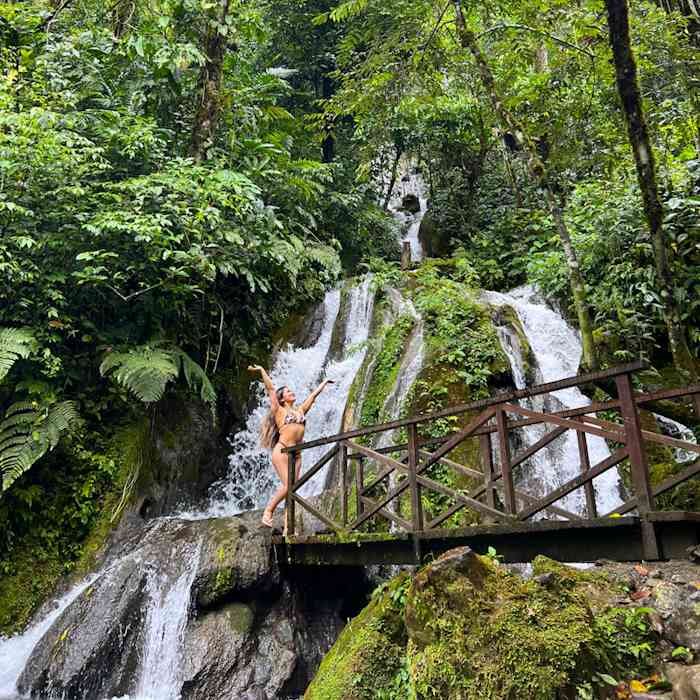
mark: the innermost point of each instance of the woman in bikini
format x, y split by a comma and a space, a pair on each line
283, 426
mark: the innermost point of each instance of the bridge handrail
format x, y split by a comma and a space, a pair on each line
536, 390
502, 499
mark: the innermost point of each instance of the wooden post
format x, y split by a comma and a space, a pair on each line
416, 496
343, 484
639, 468
487, 461
591, 508
291, 480
504, 453
359, 483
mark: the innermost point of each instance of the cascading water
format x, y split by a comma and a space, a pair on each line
411, 184
15, 652
165, 628
251, 479
556, 348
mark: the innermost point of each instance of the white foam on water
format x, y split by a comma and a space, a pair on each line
557, 349
15, 651
251, 479
166, 620
411, 183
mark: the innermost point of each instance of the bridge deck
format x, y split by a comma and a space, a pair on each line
616, 539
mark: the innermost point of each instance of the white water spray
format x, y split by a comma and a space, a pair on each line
15, 651
557, 350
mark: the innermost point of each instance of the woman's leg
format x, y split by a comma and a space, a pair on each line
280, 462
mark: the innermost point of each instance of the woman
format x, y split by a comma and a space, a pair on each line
283, 427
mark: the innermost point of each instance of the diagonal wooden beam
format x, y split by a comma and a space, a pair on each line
574, 484
386, 513
666, 485
315, 469
318, 514
549, 437
466, 500
566, 423
463, 434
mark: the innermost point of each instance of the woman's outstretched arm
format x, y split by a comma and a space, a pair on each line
309, 402
271, 391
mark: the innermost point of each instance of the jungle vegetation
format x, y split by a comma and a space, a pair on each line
178, 176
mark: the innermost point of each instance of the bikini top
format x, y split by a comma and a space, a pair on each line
293, 418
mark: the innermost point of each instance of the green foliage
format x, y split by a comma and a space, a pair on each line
146, 371
15, 343
28, 432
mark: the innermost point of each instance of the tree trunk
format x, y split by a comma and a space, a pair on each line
539, 173
209, 108
628, 88
392, 179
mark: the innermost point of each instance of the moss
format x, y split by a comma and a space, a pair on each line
472, 630
368, 653
385, 369
35, 569
240, 617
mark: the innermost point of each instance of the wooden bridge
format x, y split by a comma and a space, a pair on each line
381, 510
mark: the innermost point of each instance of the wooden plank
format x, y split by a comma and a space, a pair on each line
574, 484
487, 462
290, 514
547, 388
588, 489
649, 435
567, 423
466, 500
359, 484
504, 459
318, 514
317, 467
551, 436
344, 484
457, 438
471, 473
416, 497
665, 394
386, 513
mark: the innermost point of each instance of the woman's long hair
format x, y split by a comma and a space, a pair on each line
269, 432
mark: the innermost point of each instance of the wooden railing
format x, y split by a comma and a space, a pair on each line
378, 493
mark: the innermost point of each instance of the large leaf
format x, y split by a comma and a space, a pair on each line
28, 432
15, 343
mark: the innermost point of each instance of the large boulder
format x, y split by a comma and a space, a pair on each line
467, 628
198, 609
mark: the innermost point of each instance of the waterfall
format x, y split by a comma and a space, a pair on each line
411, 183
251, 478
679, 431
411, 365
15, 651
556, 350
165, 628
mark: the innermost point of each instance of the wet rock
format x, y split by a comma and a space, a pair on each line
694, 554
544, 579
685, 681
411, 203
435, 242
681, 615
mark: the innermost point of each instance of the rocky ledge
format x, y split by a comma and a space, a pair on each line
200, 607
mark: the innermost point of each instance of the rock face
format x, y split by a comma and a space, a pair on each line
199, 608
466, 628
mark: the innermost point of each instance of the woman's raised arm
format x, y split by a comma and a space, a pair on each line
309, 402
271, 391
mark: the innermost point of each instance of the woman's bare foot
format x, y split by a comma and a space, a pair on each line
267, 518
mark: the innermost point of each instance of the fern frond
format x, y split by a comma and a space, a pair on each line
144, 371
196, 378
15, 343
28, 432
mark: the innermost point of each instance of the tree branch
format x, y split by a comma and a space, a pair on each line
525, 27
135, 294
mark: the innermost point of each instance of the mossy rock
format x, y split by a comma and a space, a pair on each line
467, 628
369, 652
